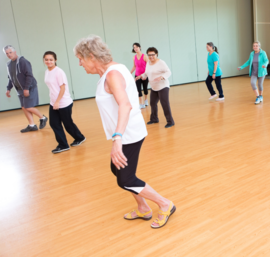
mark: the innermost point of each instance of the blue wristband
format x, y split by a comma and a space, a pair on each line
117, 134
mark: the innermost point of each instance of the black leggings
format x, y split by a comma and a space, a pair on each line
139, 84
126, 178
209, 81
63, 115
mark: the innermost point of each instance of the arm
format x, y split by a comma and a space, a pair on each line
61, 93
116, 85
166, 73
9, 87
27, 71
265, 60
215, 69
245, 64
145, 58
134, 67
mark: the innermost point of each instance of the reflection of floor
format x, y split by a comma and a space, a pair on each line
214, 164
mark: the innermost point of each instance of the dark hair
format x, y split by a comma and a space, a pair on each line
213, 46
51, 53
135, 44
152, 49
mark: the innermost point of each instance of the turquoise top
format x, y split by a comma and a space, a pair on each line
214, 57
262, 59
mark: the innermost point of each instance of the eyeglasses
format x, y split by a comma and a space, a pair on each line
151, 55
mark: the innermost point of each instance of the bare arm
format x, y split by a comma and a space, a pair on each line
134, 67
116, 85
215, 69
61, 93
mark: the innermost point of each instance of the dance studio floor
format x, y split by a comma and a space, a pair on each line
214, 164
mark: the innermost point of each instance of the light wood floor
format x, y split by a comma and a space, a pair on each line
214, 164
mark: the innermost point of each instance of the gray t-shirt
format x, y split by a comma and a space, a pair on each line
13, 75
255, 64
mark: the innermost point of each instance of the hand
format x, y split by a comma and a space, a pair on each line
26, 93
139, 77
238, 68
118, 158
214, 76
8, 94
264, 66
56, 106
158, 79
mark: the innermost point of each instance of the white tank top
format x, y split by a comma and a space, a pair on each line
108, 108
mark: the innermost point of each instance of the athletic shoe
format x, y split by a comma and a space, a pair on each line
142, 106
29, 128
146, 102
77, 142
169, 125
151, 122
220, 99
59, 149
261, 98
258, 100
43, 122
212, 96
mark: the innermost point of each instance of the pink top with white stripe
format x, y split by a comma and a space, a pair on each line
140, 65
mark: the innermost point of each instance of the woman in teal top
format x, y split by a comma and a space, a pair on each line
214, 72
257, 63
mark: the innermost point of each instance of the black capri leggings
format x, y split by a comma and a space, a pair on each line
126, 178
139, 84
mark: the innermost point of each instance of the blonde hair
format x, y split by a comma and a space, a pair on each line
93, 45
257, 42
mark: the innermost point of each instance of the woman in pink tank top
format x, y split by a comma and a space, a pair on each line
140, 60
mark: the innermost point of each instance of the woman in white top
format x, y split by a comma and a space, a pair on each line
60, 105
123, 123
158, 73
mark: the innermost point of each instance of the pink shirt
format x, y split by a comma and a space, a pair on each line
140, 65
54, 79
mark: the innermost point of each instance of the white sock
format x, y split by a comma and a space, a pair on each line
32, 125
43, 118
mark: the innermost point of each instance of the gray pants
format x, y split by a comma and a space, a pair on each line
254, 81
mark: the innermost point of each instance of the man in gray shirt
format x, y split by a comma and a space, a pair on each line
21, 78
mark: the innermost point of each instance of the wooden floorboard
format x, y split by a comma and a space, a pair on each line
214, 164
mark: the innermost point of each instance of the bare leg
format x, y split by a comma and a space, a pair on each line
145, 97
141, 100
29, 116
35, 111
261, 92
143, 207
256, 92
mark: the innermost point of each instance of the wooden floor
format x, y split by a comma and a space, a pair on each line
214, 164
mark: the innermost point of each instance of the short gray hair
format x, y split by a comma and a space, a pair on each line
93, 45
257, 42
8, 47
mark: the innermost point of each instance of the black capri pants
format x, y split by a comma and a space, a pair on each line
126, 177
139, 84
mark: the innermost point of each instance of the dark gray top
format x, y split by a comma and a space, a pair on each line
255, 64
13, 74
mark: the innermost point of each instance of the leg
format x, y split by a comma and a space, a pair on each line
35, 111
139, 88
56, 125
71, 128
253, 82
260, 85
154, 98
208, 83
29, 116
145, 88
219, 86
164, 100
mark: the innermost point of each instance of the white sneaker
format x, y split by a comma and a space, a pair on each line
212, 97
146, 102
220, 99
142, 106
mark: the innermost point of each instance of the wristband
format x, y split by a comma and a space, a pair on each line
117, 134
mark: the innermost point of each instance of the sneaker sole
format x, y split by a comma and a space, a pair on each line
29, 131
79, 143
61, 151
